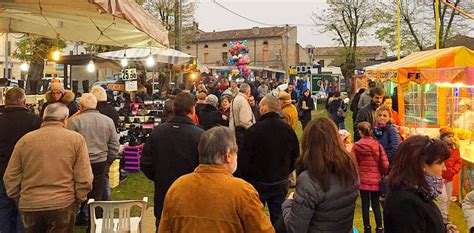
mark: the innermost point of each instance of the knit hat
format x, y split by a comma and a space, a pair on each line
57, 86
283, 95
212, 100
443, 132
344, 134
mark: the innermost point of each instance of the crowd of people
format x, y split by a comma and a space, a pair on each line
221, 155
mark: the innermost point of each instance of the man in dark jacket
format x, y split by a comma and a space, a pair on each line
270, 151
172, 149
209, 116
291, 90
367, 113
355, 103
15, 122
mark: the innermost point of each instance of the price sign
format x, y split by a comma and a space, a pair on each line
116, 86
129, 74
131, 85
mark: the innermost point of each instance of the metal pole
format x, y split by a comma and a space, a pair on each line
437, 22
287, 35
6, 63
180, 46
399, 29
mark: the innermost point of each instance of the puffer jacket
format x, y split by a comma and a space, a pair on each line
390, 140
368, 152
453, 164
314, 211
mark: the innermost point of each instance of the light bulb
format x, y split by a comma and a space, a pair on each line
24, 67
124, 62
56, 55
150, 61
91, 66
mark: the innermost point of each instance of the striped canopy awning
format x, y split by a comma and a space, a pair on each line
121, 23
429, 66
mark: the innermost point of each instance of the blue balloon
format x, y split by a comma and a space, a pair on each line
231, 61
244, 42
231, 45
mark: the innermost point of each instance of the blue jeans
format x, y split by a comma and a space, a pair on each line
272, 194
10, 220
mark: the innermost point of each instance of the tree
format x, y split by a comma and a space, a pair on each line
418, 23
167, 12
348, 20
35, 50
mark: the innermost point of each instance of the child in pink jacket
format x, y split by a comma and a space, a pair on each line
373, 164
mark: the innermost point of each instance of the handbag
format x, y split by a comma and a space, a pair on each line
340, 111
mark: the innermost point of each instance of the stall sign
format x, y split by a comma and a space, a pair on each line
403, 88
129, 74
131, 85
116, 86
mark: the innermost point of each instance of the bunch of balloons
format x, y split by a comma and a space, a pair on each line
240, 59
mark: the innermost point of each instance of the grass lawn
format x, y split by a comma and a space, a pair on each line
137, 186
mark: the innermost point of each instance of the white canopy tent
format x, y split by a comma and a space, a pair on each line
106, 22
161, 55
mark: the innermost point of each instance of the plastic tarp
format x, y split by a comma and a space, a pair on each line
162, 55
453, 65
104, 22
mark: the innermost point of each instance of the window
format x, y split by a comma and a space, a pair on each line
265, 55
225, 58
265, 43
224, 45
206, 46
206, 58
188, 47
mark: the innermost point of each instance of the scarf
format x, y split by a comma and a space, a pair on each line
435, 185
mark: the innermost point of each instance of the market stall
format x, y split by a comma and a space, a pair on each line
436, 89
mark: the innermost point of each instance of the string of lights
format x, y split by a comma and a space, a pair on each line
258, 22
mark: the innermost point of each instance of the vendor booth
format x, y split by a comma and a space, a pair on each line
436, 89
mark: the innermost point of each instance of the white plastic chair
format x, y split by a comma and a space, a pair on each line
124, 223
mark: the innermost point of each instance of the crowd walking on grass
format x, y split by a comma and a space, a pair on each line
224, 153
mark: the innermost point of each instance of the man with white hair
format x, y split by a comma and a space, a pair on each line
241, 116
209, 116
105, 108
101, 138
49, 174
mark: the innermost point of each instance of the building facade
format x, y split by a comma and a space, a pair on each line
269, 47
332, 56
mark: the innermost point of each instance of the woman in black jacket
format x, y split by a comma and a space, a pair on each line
414, 182
305, 106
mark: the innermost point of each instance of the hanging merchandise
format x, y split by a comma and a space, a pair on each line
240, 59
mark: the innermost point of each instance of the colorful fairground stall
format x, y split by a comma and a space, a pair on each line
436, 89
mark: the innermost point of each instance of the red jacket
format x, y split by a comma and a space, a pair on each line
367, 153
453, 165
